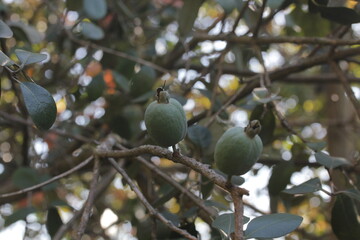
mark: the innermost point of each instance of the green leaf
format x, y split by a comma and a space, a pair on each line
5, 60
267, 121
220, 206
187, 15
226, 222
121, 81
40, 104
144, 97
316, 146
280, 178
91, 31
171, 217
229, 5
27, 58
19, 214
25, 177
74, 5
272, 226
31, 33
95, 9
237, 180
336, 11
328, 161
142, 81
309, 186
96, 87
50, 186
353, 193
53, 221
199, 135
5, 31
263, 95
344, 220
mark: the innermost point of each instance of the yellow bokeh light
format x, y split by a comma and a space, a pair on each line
8, 96
308, 106
61, 105
173, 205
164, 162
204, 102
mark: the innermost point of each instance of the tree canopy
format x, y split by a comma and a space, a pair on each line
76, 159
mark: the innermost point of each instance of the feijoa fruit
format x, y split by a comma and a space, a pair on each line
165, 120
238, 149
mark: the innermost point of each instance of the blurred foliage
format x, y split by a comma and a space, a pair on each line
102, 61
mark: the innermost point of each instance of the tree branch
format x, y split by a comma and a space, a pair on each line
245, 40
192, 163
349, 92
149, 207
90, 200
104, 183
239, 212
62, 175
197, 201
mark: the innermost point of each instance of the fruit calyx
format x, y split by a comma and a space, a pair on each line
253, 128
162, 96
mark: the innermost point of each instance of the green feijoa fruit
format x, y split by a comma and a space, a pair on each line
238, 149
165, 120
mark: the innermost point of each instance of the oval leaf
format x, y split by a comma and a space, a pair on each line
91, 31
187, 15
344, 220
31, 33
273, 225
353, 193
316, 146
25, 177
5, 31
237, 180
121, 81
267, 121
40, 104
199, 135
26, 57
328, 161
95, 9
142, 81
53, 221
96, 87
226, 222
20, 214
5, 60
310, 186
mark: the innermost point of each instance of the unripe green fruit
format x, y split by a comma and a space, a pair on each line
238, 149
165, 120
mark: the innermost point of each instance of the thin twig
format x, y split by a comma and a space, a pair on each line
104, 183
240, 16
254, 81
15, 119
149, 207
115, 52
349, 92
62, 175
246, 40
260, 20
90, 200
197, 201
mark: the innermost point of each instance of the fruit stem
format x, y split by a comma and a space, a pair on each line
162, 96
253, 128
